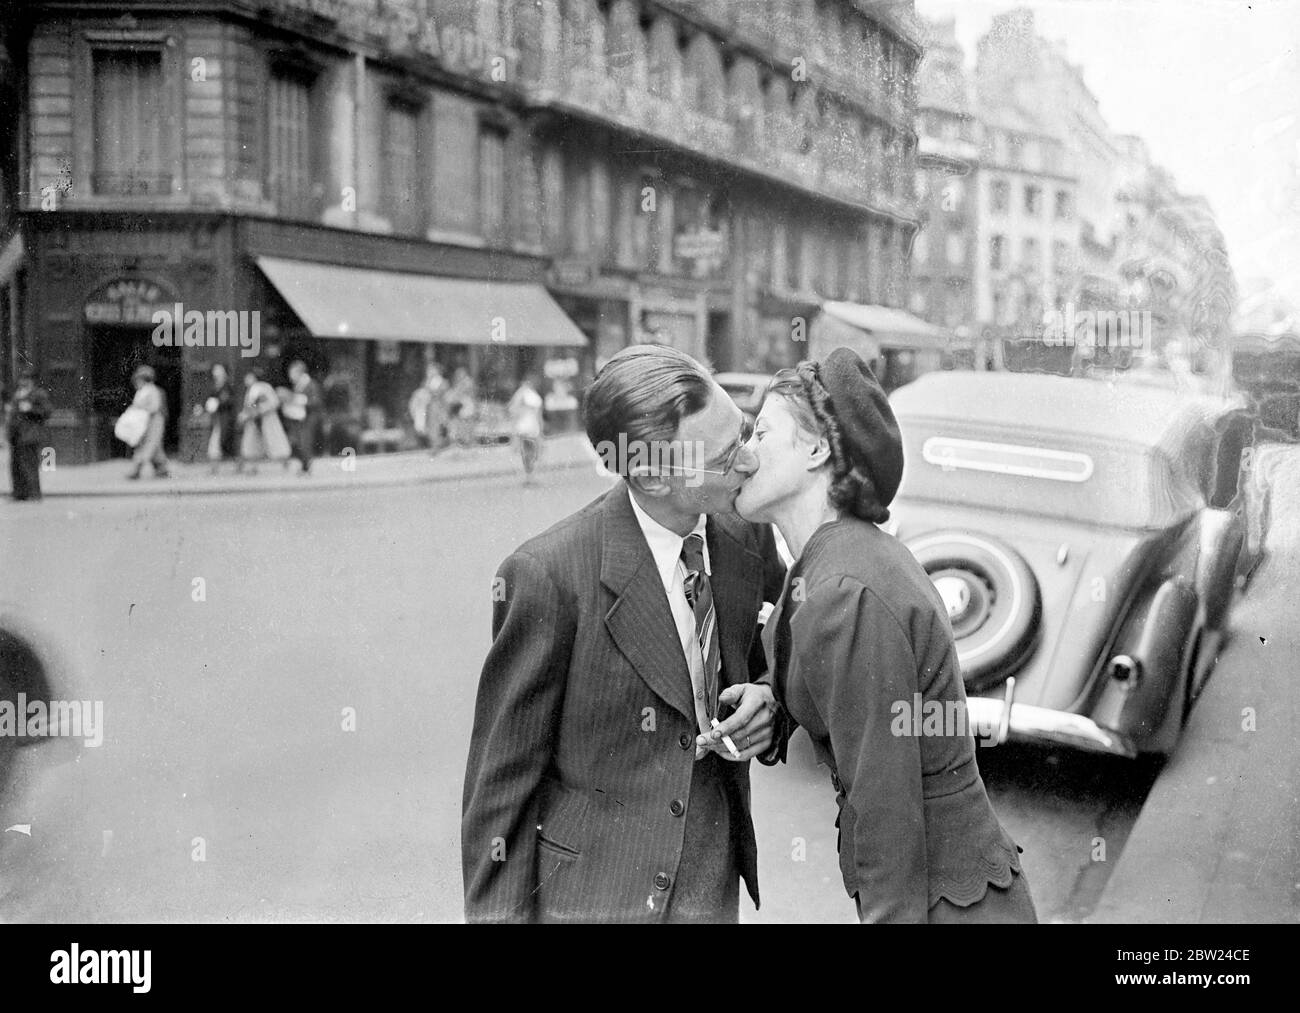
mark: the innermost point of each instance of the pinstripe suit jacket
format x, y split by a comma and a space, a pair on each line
584, 728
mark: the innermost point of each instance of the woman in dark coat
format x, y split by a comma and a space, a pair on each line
28, 410
861, 640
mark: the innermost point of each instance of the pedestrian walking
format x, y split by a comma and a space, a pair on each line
149, 399
462, 407
220, 410
304, 412
526, 413
28, 410
262, 435
428, 408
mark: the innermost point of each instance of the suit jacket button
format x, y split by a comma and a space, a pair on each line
677, 808
661, 881
685, 741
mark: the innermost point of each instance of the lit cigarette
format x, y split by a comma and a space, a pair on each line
726, 741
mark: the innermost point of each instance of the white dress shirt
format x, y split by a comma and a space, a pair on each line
666, 548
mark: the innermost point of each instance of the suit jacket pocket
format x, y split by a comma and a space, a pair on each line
562, 828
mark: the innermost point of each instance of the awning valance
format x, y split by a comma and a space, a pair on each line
352, 302
888, 327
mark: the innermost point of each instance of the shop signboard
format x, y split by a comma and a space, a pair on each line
458, 48
128, 302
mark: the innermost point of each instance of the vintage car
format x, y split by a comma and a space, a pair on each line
1086, 538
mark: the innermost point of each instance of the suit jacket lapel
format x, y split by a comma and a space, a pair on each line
640, 621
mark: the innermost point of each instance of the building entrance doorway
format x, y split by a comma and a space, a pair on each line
115, 353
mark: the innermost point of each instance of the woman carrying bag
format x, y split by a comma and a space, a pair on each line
150, 402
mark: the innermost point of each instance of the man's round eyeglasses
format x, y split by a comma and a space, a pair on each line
746, 432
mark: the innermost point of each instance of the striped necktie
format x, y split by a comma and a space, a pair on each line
699, 596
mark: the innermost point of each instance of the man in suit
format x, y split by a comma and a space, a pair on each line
304, 414
28, 411
597, 788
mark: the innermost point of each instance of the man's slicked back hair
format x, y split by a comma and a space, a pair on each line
643, 392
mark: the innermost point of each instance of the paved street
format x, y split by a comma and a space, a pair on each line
224, 718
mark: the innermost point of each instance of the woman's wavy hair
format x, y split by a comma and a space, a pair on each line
852, 489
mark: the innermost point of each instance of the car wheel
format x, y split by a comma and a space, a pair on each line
992, 601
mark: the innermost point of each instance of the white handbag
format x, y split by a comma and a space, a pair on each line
131, 425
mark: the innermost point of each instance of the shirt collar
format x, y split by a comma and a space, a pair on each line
666, 545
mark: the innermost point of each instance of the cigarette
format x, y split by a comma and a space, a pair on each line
726, 740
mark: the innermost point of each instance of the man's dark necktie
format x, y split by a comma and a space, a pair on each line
699, 596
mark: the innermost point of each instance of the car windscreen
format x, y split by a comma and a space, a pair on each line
1097, 481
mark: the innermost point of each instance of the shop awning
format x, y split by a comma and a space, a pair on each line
354, 302
889, 328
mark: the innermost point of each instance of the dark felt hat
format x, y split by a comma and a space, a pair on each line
871, 437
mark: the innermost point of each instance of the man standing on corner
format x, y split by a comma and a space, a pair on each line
28, 411
596, 789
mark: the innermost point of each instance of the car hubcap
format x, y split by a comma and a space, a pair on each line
967, 598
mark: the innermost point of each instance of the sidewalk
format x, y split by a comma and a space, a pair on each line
108, 478
1219, 837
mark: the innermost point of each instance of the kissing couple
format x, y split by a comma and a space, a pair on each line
629, 683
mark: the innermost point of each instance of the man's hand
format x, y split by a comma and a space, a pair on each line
750, 727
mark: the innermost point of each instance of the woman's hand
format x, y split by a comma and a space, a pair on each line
752, 725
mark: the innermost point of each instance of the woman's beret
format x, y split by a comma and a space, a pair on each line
871, 437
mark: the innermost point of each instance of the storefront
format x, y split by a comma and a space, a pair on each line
90, 290
897, 346
371, 334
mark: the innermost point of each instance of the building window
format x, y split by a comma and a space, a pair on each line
492, 181
289, 143
1063, 204
1029, 254
996, 245
954, 192
1033, 200
129, 117
402, 167
1000, 196
956, 248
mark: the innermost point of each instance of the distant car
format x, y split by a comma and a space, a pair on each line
1085, 538
746, 389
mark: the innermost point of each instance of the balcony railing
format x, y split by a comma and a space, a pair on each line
765, 144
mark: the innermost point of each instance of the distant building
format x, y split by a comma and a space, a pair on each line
945, 253
1018, 70
490, 185
1171, 261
